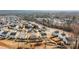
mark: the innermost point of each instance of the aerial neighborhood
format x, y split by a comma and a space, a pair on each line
36, 32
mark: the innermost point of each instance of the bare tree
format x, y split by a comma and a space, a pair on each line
75, 28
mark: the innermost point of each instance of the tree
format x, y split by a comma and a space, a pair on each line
75, 28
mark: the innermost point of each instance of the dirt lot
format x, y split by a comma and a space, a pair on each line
11, 44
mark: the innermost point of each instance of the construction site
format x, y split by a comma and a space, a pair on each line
16, 33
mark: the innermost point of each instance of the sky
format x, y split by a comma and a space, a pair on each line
39, 4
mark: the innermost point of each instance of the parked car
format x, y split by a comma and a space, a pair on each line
63, 38
43, 34
55, 33
3, 34
12, 35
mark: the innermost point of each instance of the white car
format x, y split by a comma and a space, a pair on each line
63, 38
3, 34
55, 33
